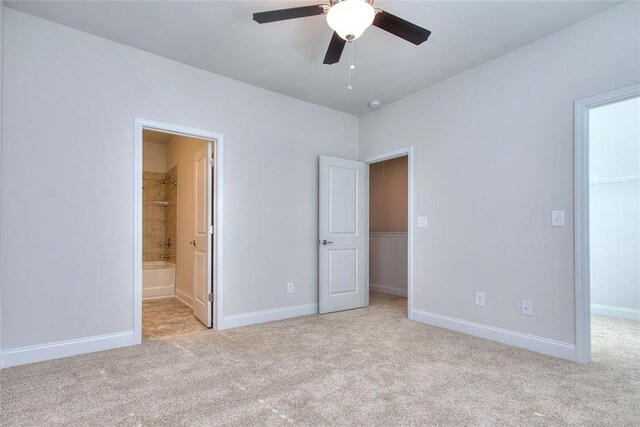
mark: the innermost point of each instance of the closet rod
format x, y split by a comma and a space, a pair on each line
598, 180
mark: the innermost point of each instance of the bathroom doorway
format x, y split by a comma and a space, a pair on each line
176, 219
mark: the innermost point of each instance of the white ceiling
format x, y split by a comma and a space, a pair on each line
156, 137
286, 57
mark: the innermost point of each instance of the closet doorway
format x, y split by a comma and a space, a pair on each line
608, 226
353, 257
390, 211
388, 231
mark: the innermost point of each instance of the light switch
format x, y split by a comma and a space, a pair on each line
557, 218
422, 222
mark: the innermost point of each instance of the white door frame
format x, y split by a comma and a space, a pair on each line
400, 152
218, 139
581, 212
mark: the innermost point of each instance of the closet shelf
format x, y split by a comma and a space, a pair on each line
598, 180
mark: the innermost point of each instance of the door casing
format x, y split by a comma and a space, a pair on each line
217, 262
581, 213
388, 155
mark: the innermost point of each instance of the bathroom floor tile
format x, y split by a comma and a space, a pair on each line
167, 317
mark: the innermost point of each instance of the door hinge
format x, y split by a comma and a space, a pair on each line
212, 162
211, 297
211, 229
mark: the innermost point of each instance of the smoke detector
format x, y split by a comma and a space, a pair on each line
375, 104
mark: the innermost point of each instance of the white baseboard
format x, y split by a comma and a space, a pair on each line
56, 350
246, 319
158, 292
388, 290
518, 339
184, 297
613, 311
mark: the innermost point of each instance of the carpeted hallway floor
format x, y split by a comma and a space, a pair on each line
362, 367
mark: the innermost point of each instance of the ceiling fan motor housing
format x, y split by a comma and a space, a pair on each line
350, 18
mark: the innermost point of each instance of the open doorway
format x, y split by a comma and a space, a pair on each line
343, 231
388, 231
607, 184
174, 200
614, 226
177, 214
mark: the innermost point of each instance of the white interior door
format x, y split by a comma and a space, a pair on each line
342, 239
202, 307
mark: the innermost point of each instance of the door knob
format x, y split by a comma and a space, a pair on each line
193, 243
326, 242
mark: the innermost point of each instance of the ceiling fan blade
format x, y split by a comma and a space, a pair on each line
284, 14
401, 28
334, 52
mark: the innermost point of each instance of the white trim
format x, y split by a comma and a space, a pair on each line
219, 230
218, 139
400, 152
56, 350
613, 311
389, 290
581, 212
137, 234
246, 319
530, 342
367, 236
184, 297
388, 155
2, 53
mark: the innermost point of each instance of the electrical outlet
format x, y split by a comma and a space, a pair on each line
480, 299
526, 308
289, 287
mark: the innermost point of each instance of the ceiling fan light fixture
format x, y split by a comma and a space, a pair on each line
350, 18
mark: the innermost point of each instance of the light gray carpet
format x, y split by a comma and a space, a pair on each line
362, 367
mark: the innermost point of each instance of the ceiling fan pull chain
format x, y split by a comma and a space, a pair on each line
351, 66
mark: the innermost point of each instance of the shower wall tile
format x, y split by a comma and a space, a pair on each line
153, 216
171, 212
156, 213
159, 223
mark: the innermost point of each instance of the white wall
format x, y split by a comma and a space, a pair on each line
180, 152
614, 218
154, 157
388, 262
493, 156
70, 103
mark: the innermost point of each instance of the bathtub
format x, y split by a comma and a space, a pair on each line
158, 279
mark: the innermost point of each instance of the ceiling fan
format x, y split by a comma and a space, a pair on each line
349, 19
